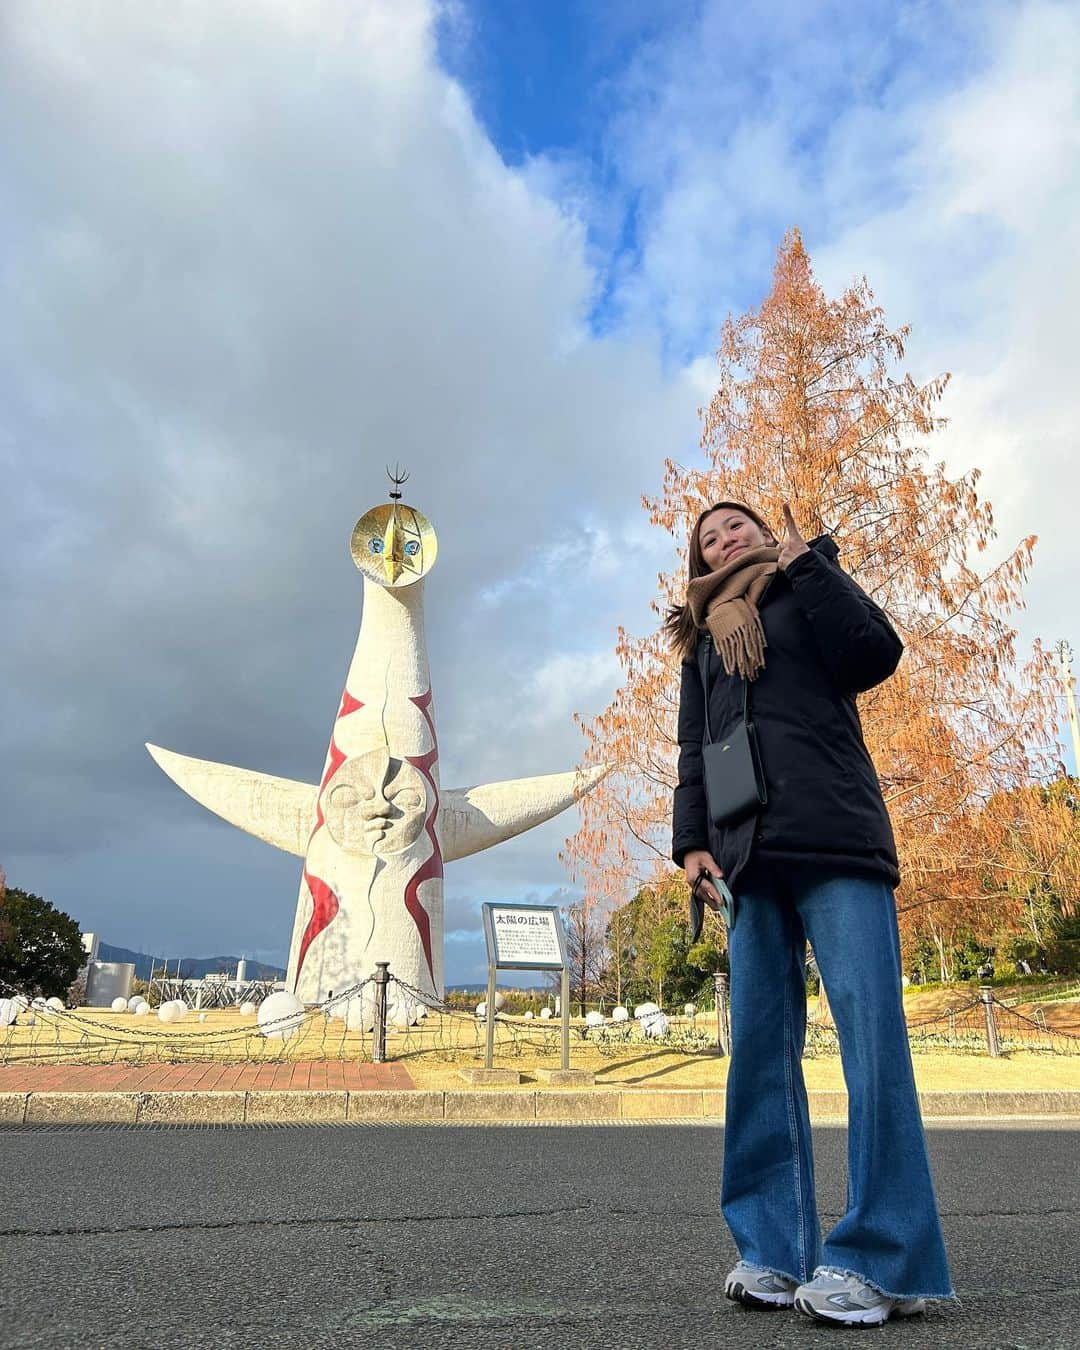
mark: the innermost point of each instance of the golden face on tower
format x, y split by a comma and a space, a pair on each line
394, 544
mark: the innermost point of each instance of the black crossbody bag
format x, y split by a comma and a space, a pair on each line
734, 782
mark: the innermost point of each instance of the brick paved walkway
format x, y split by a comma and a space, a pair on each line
313, 1075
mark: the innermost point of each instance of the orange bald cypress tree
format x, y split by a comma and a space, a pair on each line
810, 410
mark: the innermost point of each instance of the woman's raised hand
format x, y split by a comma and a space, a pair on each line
698, 861
793, 545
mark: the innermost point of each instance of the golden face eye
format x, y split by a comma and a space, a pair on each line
394, 545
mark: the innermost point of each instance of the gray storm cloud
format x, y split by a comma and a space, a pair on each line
254, 253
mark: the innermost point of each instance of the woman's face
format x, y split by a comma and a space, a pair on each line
726, 533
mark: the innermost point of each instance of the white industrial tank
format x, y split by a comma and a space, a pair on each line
106, 980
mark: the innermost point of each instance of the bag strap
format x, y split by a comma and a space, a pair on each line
704, 647
704, 651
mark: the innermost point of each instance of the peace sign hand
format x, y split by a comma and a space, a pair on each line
793, 545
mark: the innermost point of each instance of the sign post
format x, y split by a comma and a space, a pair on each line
525, 937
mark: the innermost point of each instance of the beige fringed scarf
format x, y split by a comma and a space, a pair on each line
725, 602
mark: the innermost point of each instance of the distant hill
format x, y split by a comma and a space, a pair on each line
195, 967
191, 967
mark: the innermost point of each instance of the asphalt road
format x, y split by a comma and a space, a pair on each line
476, 1237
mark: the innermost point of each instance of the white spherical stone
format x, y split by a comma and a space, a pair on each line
500, 1001
360, 1013
39, 1002
141, 1008
545, 1013
9, 1010
654, 1025
644, 1009
481, 1009
690, 1009
248, 1009
56, 1004
620, 1014
529, 1014
119, 1005
21, 1002
172, 1011
203, 1017
280, 1016
401, 1012
595, 1019
134, 1001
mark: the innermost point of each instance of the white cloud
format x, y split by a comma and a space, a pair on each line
978, 254
563, 683
934, 149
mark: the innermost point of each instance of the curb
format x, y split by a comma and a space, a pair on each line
402, 1106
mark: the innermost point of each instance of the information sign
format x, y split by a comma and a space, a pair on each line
524, 937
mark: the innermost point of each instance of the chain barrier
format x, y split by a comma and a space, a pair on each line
453, 1031
56, 1036
980, 1026
391, 1019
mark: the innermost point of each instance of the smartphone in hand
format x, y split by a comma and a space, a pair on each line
697, 904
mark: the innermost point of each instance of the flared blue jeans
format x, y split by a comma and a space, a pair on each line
891, 1233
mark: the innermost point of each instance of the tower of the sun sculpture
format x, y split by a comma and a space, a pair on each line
375, 831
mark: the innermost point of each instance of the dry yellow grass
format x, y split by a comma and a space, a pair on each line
654, 1067
933, 1073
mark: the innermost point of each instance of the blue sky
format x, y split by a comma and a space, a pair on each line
606, 97
255, 250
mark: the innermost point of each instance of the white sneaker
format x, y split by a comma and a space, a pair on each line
846, 1299
757, 1287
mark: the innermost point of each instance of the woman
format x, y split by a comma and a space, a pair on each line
817, 862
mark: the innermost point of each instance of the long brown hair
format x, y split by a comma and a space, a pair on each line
679, 625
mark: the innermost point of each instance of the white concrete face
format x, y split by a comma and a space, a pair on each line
372, 886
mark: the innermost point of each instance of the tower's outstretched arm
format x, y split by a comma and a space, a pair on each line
277, 810
475, 818
281, 811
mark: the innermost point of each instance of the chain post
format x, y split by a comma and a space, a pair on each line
986, 994
382, 979
723, 1025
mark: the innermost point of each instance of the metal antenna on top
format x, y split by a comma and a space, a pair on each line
397, 478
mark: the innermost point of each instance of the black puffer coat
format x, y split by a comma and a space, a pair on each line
826, 642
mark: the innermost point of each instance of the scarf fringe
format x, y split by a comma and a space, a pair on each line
743, 651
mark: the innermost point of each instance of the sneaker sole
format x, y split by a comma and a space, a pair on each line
871, 1318
738, 1293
